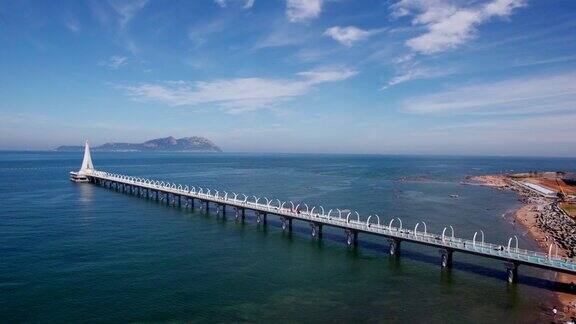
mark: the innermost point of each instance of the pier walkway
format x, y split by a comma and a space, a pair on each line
352, 223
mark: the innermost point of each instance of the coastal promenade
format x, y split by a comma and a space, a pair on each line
317, 218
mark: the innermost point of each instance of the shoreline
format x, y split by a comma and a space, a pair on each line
538, 216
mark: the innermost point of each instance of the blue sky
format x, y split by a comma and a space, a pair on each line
471, 77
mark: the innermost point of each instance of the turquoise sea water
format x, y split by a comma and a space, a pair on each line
81, 253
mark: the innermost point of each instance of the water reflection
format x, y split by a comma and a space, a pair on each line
86, 193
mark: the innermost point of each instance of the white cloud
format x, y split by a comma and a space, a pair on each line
348, 35
284, 35
238, 94
412, 74
72, 24
302, 10
448, 25
224, 3
534, 95
327, 75
115, 62
127, 9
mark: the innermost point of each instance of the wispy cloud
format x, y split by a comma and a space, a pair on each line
447, 24
284, 35
114, 62
72, 24
239, 94
415, 73
127, 9
200, 33
533, 95
348, 35
302, 10
224, 3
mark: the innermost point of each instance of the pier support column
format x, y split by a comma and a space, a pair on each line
192, 203
395, 247
261, 218
286, 224
179, 201
168, 199
157, 195
352, 238
243, 214
207, 207
512, 272
316, 230
147, 193
446, 257
224, 210
258, 217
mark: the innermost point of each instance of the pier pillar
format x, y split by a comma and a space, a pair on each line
395, 247
243, 214
261, 218
192, 203
512, 272
286, 223
168, 199
147, 193
352, 238
316, 230
264, 217
224, 210
207, 207
179, 201
446, 257
157, 195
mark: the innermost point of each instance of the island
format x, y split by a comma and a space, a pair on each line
166, 144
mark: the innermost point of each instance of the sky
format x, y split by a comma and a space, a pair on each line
459, 77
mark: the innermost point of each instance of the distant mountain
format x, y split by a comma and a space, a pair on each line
167, 144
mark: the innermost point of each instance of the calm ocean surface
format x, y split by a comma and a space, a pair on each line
81, 253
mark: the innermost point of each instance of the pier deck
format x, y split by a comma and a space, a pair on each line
351, 222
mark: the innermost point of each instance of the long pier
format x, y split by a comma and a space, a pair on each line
351, 222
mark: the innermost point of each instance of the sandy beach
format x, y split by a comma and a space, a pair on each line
531, 215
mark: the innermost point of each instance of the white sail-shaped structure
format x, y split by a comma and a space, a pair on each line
87, 165
86, 168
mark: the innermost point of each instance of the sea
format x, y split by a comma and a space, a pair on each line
72, 253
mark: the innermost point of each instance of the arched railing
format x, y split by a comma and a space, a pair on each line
474, 238
357, 217
370, 217
510, 242
444, 232
392, 222
416, 228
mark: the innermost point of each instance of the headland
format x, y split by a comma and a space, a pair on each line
549, 215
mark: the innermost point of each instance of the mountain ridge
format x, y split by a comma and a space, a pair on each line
164, 144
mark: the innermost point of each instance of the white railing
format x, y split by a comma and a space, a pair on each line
352, 220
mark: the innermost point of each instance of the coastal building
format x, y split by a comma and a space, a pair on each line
538, 189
